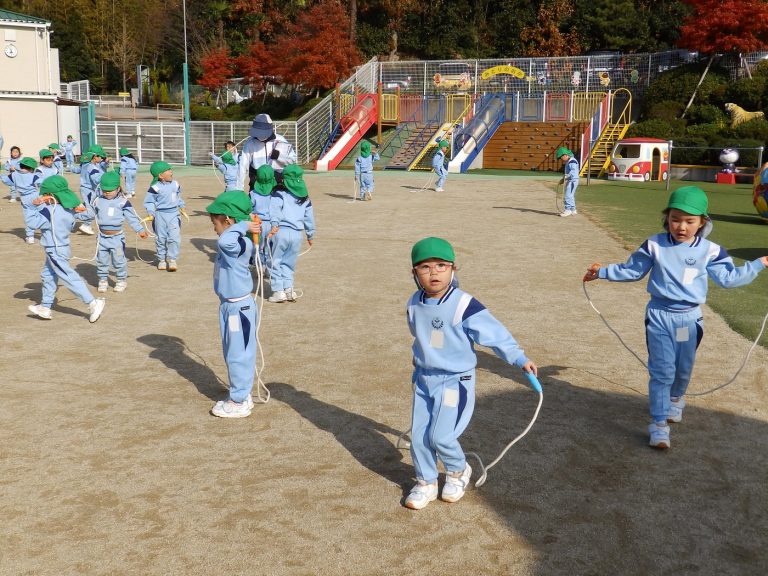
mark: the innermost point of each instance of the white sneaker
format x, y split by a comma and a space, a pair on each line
421, 495
96, 308
162, 265
30, 240
87, 229
290, 294
40, 311
120, 286
439, 190
368, 196
659, 436
102, 287
172, 266
279, 296
230, 409
12, 200
455, 486
676, 411
566, 213
573, 212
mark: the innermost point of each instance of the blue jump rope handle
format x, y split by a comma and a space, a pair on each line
535, 384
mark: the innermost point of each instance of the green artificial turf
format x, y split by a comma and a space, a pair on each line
632, 212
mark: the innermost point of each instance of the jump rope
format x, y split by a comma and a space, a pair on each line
643, 362
535, 384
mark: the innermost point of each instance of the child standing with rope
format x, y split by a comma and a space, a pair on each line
261, 196
438, 164
227, 165
163, 203
56, 222
112, 209
364, 170
12, 165
291, 213
128, 169
446, 323
679, 262
232, 281
570, 179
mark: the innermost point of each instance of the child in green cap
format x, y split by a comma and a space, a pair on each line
163, 203
45, 169
678, 263
238, 314
227, 165
446, 323
57, 157
364, 170
128, 169
570, 179
59, 208
438, 164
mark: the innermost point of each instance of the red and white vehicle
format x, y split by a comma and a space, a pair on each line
642, 159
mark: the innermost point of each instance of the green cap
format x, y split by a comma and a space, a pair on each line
28, 162
158, 168
124, 151
689, 199
85, 158
432, 248
97, 150
294, 181
54, 146
365, 149
45, 153
110, 181
232, 203
265, 180
227, 158
443, 144
57, 187
560, 152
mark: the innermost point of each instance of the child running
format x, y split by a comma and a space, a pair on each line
56, 222
111, 209
24, 180
446, 323
238, 314
163, 202
364, 170
128, 169
291, 213
679, 261
12, 165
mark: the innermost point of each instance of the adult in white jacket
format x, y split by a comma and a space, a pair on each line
263, 147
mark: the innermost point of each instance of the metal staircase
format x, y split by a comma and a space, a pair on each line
600, 155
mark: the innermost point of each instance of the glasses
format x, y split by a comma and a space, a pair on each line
424, 269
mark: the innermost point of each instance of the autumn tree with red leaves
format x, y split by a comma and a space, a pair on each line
217, 68
317, 50
724, 26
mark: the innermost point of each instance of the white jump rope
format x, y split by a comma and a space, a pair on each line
402, 443
428, 184
718, 387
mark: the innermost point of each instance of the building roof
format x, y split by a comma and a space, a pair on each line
8, 16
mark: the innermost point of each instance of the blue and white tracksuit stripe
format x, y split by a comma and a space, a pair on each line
293, 215
56, 224
238, 314
364, 172
43, 172
162, 202
110, 215
445, 332
678, 284
571, 181
438, 165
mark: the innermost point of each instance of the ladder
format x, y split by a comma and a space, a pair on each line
600, 155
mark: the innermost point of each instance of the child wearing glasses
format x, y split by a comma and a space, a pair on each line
445, 323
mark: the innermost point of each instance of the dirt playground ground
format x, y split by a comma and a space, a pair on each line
112, 464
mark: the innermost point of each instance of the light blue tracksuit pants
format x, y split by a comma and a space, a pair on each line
237, 322
57, 268
366, 184
285, 252
28, 209
130, 182
443, 403
569, 194
167, 227
111, 251
672, 338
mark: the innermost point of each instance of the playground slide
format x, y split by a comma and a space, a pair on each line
354, 125
440, 134
471, 139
